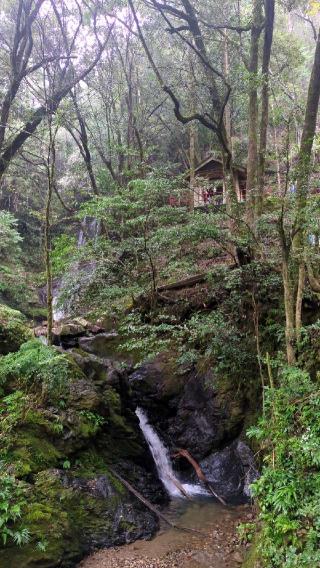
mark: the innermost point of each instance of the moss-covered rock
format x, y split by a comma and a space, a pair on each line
68, 516
13, 330
60, 430
40, 369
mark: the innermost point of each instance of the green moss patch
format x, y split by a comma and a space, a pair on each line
13, 330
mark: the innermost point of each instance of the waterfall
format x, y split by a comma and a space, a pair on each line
90, 229
58, 312
163, 462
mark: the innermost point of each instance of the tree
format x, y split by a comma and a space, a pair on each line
293, 246
41, 39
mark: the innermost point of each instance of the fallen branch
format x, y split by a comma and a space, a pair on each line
149, 505
199, 472
180, 487
184, 283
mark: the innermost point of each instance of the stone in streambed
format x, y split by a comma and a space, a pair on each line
231, 471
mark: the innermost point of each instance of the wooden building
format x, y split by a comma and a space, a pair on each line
209, 186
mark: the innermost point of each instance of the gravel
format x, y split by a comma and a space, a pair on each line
217, 547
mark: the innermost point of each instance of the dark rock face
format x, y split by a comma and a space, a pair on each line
231, 471
198, 413
193, 412
207, 417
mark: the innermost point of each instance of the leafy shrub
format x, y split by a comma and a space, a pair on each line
9, 237
12, 502
13, 329
39, 367
13, 289
288, 491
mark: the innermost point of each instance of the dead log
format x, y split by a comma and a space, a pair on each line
149, 505
199, 472
184, 283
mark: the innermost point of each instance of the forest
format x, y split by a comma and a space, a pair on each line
159, 283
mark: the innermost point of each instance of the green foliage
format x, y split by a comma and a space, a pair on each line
36, 366
209, 336
13, 287
9, 237
288, 491
13, 330
12, 503
64, 249
94, 419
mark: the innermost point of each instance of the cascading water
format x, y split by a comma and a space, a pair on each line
163, 463
90, 229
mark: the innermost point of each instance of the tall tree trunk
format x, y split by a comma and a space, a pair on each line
293, 256
305, 153
226, 71
193, 130
289, 311
192, 167
268, 37
303, 175
253, 108
51, 158
83, 144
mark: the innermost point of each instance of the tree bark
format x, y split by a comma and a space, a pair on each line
253, 109
51, 159
289, 303
304, 161
268, 37
303, 175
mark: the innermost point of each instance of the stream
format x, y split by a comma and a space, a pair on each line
210, 540
214, 546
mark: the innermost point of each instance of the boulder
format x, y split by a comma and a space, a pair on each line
83, 395
71, 516
102, 345
69, 329
231, 471
101, 371
13, 330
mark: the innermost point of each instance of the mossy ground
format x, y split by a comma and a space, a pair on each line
61, 431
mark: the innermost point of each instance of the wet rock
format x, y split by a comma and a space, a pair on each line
193, 411
229, 471
82, 515
40, 331
69, 329
208, 415
101, 345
